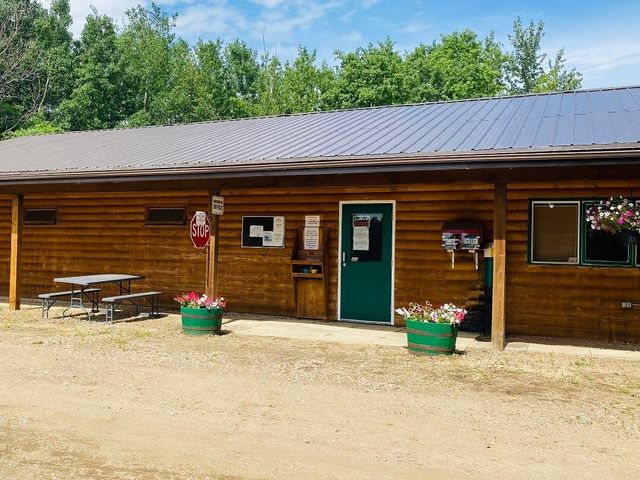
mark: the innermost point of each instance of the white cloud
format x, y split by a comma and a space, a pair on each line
606, 57
351, 37
279, 24
369, 3
211, 19
602, 51
415, 27
268, 3
81, 8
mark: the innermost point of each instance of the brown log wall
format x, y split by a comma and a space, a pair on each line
567, 300
5, 244
260, 279
106, 233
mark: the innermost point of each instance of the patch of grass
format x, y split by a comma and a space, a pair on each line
631, 390
120, 342
38, 342
582, 362
139, 334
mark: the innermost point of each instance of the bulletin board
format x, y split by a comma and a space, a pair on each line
263, 232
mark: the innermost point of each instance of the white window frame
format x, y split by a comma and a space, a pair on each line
577, 203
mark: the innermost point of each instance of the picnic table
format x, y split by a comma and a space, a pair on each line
83, 283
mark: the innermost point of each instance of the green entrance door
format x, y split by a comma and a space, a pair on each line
365, 262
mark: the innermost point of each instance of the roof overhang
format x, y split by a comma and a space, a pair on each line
569, 156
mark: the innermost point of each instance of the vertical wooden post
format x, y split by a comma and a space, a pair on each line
499, 266
15, 277
212, 257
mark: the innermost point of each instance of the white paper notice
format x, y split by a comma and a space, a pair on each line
278, 225
311, 238
201, 218
361, 239
267, 239
278, 239
256, 230
312, 221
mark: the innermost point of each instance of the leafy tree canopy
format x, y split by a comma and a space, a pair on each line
141, 73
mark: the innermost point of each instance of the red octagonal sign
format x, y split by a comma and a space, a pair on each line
199, 230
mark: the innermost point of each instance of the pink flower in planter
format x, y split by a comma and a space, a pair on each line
194, 300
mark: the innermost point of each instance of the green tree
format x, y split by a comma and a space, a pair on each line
96, 100
241, 77
54, 42
185, 97
146, 45
526, 63
269, 100
459, 66
20, 63
304, 85
36, 125
368, 77
209, 57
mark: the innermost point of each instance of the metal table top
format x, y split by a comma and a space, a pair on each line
86, 280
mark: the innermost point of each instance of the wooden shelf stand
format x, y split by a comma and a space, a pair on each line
310, 277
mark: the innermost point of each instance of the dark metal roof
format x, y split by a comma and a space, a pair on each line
436, 132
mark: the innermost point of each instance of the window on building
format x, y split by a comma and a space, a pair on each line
600, 247
40, 216
166, 216
555, 231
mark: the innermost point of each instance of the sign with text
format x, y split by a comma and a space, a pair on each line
311, 238
200, 230
217, 205
312, 220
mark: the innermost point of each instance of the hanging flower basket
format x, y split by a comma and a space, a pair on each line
617, 215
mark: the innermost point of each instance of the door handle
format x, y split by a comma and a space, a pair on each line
344, 259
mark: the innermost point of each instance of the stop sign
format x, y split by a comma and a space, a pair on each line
199, 230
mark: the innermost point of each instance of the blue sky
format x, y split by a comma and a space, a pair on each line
600, 38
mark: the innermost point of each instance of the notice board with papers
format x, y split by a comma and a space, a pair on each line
263, 232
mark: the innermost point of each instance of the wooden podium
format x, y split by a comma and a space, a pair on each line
310, 277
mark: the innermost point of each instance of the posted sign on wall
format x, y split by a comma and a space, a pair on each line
200, 230
217, 205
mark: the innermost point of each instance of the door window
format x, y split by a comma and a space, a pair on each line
366, 238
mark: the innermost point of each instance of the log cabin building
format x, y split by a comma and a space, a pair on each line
343, 215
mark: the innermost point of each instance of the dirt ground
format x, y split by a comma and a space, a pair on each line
139, 400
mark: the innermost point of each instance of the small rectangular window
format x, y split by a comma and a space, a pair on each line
602, 248
40, 216
166, 216
555, 231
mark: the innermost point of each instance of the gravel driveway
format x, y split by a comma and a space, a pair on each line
139, 400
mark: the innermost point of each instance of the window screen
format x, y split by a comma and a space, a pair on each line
166, 216
555, 232
40, 216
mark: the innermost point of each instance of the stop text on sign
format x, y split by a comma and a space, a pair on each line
200, 230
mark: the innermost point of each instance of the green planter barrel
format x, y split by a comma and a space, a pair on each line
200, 321
431, 338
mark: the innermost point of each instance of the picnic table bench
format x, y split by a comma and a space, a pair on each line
114, 301
49, 299
83, 288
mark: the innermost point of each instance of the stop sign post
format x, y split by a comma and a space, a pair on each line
200, 230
